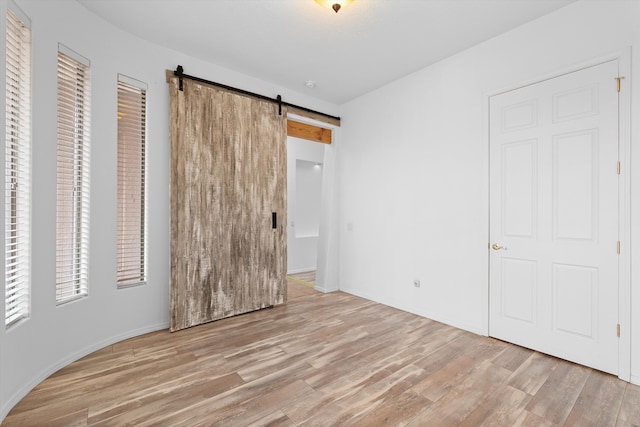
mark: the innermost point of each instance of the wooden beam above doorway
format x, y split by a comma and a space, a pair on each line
308, 132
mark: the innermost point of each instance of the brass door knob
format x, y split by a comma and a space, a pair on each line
497, 247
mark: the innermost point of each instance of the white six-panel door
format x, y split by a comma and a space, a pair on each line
554, 217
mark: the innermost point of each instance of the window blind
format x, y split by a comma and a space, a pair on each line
131, 249
17, 168
72, 196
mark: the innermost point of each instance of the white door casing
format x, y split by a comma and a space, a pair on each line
554, 212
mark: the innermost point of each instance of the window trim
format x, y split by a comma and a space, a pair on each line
17, 201
80, 172
13, 7
74, 55
143, 87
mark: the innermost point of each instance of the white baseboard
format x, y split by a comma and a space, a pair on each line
321, 287
54, 367
635, 379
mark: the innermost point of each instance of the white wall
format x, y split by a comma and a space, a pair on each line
413, 166
308, 192
302, 240
328, 265
56, 335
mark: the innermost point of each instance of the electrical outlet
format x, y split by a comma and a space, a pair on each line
416, 283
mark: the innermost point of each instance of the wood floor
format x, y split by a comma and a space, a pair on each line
308, 276
325, 360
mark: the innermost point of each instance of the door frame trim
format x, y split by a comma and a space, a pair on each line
623, 56
327, 260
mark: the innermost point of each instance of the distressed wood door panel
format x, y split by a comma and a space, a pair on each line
228, 159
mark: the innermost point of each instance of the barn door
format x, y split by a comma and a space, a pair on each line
228, 204
554, 217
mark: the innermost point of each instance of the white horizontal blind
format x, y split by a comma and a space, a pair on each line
72, 198
131, 251
17, 217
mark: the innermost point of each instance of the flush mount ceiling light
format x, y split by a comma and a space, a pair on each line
336, 5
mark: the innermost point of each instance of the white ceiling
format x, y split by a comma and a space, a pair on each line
287, 42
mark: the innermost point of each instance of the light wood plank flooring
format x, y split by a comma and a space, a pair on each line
325, 360
307, 276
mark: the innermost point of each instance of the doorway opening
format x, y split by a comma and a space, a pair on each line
305, 164
310, 208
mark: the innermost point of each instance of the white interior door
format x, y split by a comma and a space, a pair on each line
554, 217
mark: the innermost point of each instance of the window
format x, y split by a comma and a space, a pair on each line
17, 182
131, 251
72, 197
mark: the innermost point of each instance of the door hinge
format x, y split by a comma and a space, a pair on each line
618, 247
618, 168
618, 329
618, 82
